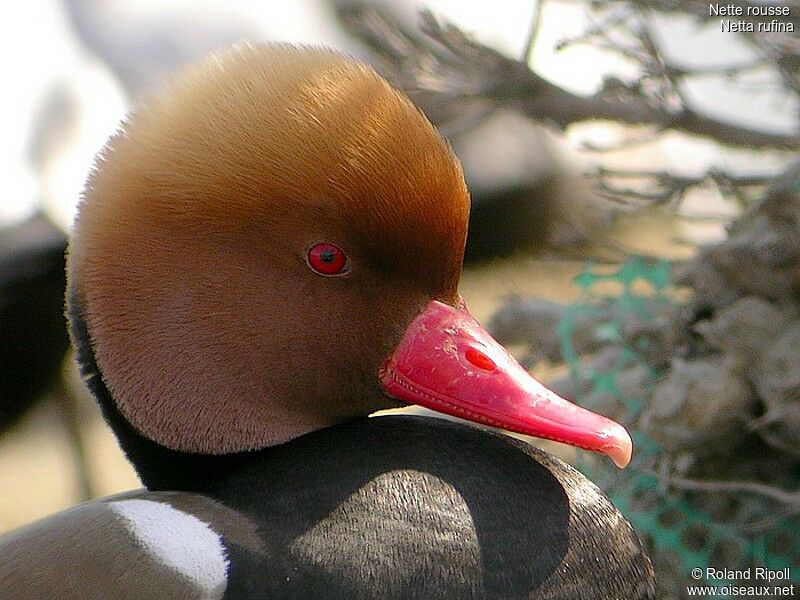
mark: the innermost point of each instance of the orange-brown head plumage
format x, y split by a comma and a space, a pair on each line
188, 254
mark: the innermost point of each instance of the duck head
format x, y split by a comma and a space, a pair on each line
272, 246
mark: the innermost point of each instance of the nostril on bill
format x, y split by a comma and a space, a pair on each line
479, 359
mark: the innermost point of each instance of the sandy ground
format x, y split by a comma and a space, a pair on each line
38, 473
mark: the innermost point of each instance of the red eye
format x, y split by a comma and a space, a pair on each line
327, 259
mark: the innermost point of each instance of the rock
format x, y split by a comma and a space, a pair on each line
710, 287
702, 406
532, 322
760, 258
535, 323
745, 328
776, 377
630, 387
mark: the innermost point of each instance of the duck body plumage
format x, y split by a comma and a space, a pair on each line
411, 507
388, 507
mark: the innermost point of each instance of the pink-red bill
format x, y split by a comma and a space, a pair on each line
447, 362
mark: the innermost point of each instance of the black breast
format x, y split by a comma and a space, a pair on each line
409, 507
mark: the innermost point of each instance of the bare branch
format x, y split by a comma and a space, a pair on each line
791, 498
661, 188
450, 66
533, 31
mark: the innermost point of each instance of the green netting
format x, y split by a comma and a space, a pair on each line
678, 527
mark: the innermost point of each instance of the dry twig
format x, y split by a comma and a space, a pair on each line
790, 498
451, 66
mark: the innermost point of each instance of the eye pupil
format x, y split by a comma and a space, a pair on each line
327, 259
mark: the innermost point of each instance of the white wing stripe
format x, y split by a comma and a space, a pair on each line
179, 541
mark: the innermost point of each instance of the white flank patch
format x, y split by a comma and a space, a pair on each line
180, 541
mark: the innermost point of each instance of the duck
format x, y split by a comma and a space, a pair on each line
33, 338
32, 330
35, 341
266, 253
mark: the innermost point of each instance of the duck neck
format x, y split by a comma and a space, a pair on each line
158, 467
